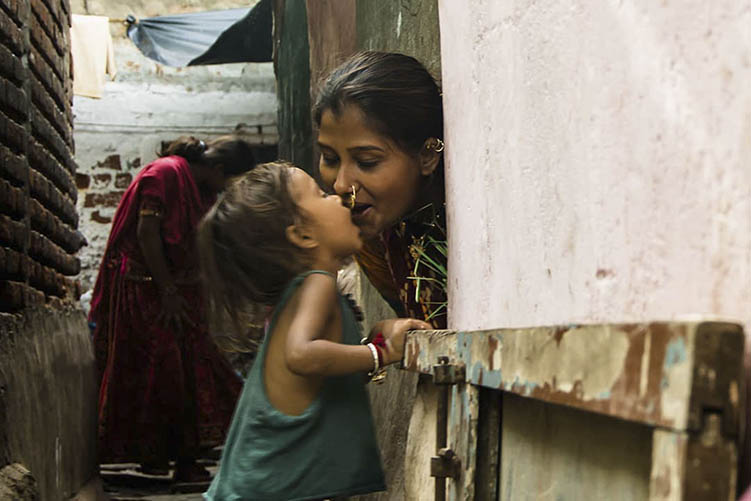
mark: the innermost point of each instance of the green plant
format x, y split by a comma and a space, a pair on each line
421, 249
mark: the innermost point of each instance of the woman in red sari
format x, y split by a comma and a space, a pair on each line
165, 391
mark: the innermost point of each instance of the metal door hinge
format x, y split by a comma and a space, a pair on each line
445, 465
445, 373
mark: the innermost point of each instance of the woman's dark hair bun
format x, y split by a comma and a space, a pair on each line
188, 147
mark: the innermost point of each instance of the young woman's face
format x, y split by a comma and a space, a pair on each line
328, 221
386, 178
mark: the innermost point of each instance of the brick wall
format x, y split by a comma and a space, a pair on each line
38, 219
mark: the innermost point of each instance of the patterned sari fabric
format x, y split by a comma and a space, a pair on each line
161, 392
390, 262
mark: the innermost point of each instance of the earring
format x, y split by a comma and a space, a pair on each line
435, 144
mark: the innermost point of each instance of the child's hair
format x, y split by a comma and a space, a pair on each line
233, 152
397, 95
246, 257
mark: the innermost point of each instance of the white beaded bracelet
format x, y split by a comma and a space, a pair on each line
376, 364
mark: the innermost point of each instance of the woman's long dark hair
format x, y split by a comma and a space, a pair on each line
397, 95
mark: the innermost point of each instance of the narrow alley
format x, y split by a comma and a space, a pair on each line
483, 250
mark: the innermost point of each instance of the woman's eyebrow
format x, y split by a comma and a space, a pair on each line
365, 149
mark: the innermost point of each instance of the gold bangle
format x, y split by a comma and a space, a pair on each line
149, 213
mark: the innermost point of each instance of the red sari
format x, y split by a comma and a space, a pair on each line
160, 393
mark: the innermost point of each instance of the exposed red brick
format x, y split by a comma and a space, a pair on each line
12, 134
15, 296
38, 218
41, 160
48, 136
47, 223
98, 218
12, 200
109, 199
11, 66
111, 162
13, 99
122, 181
102, 180
12, 233
82, 181
11, 33
12, 166
50, 109
134, 164
51, 82
48, 22
46, 48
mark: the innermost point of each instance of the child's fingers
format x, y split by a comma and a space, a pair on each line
415, 324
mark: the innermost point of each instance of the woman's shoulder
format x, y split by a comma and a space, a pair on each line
164, 171
172, 163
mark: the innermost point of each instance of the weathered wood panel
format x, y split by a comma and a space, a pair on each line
550, 452
659, 373
331, 37
668, 465
487, 469
464, 413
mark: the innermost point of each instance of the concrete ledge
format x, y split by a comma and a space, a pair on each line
48, 399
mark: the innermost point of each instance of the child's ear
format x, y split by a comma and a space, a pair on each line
300, 237
429, 159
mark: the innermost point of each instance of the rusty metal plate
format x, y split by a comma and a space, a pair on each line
654, 373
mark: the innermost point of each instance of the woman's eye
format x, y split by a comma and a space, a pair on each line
367, 164
329, 160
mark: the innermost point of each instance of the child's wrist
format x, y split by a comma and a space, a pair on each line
377, 358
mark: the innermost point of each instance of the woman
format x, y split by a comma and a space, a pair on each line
380, 122
165, 391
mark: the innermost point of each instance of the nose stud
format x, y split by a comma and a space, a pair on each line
352, 197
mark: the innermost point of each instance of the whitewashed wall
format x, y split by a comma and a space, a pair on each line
149, 103
599, 160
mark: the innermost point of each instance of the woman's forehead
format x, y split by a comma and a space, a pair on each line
349, 126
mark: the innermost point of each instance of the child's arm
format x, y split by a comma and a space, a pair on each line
393, 331
307, 354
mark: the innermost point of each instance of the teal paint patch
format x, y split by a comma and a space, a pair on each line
522, 387
675, 353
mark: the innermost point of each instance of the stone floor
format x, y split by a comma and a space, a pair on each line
124, 482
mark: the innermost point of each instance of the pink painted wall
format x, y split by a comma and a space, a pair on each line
599, 160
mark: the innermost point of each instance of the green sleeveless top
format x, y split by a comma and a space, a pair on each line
329, 450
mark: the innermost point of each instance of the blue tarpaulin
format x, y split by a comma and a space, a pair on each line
212, 37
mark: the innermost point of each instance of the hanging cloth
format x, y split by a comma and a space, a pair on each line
211, 37
93, 54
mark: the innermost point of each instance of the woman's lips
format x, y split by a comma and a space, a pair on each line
360, 211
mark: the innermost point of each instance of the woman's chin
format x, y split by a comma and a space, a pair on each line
368, 233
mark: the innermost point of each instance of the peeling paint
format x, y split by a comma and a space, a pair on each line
638, 372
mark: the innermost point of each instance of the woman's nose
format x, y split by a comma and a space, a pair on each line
343, 182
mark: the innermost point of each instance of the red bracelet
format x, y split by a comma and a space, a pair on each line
379, 340
380, 354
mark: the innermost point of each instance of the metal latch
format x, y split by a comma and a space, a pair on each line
446, 373
445, 465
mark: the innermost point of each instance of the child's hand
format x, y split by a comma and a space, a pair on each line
394, 331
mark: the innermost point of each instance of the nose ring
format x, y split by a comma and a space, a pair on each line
352, 197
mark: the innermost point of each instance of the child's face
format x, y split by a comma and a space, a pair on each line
387, 179
328, 221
